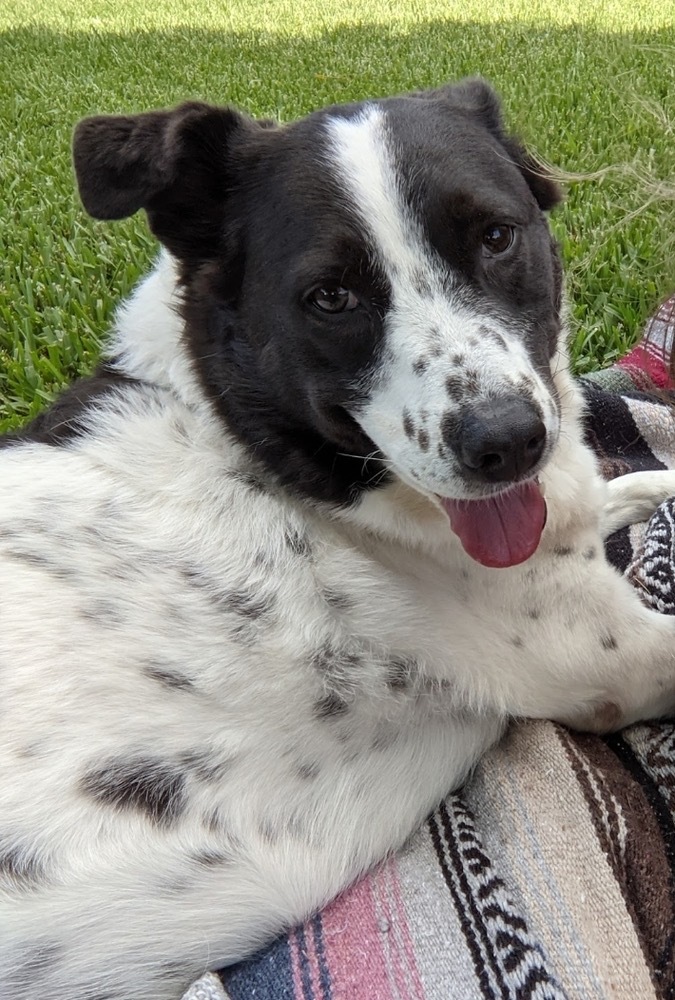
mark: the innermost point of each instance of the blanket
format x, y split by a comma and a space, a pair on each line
551, 875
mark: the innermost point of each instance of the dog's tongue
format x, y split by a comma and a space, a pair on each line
500, 531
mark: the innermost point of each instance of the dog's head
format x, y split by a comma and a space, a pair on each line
369, 292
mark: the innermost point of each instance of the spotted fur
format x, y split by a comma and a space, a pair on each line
242, 654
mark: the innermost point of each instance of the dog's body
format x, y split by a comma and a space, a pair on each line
242, 653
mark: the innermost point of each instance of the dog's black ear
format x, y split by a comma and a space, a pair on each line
177, 165
477, 97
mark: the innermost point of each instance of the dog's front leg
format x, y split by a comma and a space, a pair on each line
587, 652
634, 498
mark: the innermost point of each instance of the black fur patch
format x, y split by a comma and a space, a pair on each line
144, 784
213, 858
400, 673
20, 868
37, 560
308, 771
337, 599
298, 542
167, 676
331, 660
330, 707
65, 420
244, 603
423, 439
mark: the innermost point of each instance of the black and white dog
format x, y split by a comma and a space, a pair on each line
275, 577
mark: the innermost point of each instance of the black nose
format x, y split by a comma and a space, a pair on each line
499, 440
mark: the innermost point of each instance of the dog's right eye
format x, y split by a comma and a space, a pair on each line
332, 299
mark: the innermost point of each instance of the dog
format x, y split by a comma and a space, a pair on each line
278, 574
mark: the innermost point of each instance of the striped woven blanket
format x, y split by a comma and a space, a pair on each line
552, 874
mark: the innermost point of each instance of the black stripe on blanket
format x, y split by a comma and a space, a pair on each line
509, 963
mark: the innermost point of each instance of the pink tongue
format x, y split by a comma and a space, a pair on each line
503, 530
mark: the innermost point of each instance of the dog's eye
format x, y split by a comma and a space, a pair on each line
333, 299
498, 238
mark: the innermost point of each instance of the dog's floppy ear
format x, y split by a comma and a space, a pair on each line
478, 98
177, 165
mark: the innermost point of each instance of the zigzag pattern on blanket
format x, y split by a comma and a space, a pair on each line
553, 875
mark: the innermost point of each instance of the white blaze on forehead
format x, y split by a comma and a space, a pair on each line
362, 151
429, 318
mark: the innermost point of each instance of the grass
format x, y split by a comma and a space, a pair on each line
587, 85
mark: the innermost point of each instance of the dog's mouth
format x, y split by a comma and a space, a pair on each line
502, 530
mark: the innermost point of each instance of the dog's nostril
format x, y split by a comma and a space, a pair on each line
491, 461
536, 443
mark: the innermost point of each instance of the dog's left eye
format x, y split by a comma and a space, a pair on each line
333, 299
497, 239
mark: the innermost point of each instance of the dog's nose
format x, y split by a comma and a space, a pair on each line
500, 439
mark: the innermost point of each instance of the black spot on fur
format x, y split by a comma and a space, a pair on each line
250, 605
454, 386
269, 830
332, 660
423, 439
590, 553
308, 771
458, 360
408, 425
608, 642
39, 561
563, 550
337, 599
421, 365
533, 613
103, 612
20, 868
244, 603
450, 425
298, 542
167, 676
213, 858
214, 822
330, 707
400, 673
471, 382
517, 642
143, 784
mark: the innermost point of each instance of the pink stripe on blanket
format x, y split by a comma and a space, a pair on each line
367, 941
403, 928
304, 949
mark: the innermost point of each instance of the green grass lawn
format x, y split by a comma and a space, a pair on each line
589, 85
